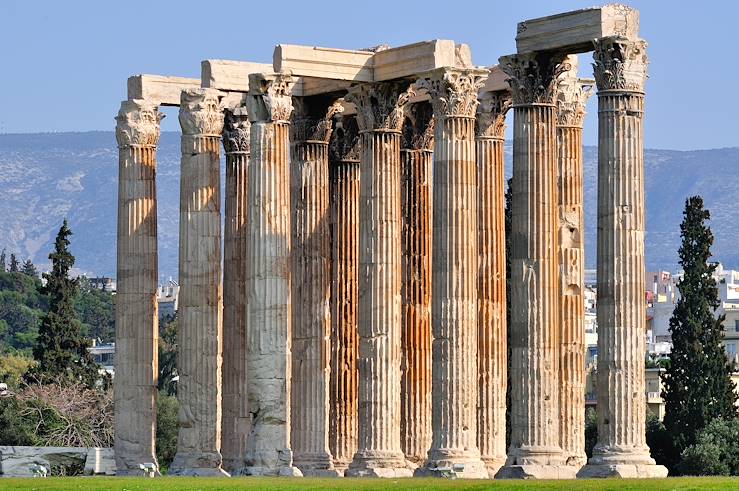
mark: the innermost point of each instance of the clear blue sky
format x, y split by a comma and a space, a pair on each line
65, 63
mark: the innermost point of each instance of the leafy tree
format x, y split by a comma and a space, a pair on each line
167, 428
14, 264
96, 310
716, 451
13, 368
697, 383
29, 268
60, 349
168, 355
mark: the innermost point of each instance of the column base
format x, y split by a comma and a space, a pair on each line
198, 464
576, 460
379, 464
447, 469
341, 466
493, 465
199, 472
537, 471
623, 471
235, 467
319, 465
286, 471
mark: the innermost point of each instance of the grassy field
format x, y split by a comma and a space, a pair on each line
277, 484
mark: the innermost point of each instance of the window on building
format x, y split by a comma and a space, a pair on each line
736, 325
731, 349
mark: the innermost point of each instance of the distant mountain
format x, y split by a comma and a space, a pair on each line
48, 176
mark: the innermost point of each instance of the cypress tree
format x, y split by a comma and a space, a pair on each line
507, 224
14, 264
61, 351
697, 383
2, 261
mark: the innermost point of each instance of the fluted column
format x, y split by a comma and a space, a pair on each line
416, 166
311, 269
199, 337
492, 344
268, 276
380, 116
344, 203
136, 321
453, 95
621, 451
236, 419
572, 94
534, 451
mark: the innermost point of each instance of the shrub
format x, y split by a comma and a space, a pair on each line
716, 451
167, 428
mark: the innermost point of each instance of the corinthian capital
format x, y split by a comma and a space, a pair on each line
313, 122
236, 129
572, 95
454, 91
533, 76
138, 124
380, 105
345, 141
418, 127
620, 64
270, 97
491, 113
201, 113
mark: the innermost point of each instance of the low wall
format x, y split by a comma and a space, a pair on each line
17, 461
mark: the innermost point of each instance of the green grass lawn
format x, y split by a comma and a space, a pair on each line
136, 484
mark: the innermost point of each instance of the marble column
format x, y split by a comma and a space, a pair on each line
269, 327
416, 167
453, 95
621, 450
136, 322
380, 117
534, 451
236, 418
572, 95
311, 281
199, 337
492, 342
344, 154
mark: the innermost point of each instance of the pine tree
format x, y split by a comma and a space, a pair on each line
14, 264
61, 351
29, 269
697, 384
2, 261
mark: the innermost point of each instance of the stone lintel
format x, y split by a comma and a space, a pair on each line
406, 61
159, 89
497, 80
229, 75
574, 32
308, 86
312, 61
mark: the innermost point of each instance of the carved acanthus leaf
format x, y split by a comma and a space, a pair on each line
307, 127
345, 142
201, 113
491, 113
533, 76
620, 64
270, 97
454, 91
572, 95
418, 127
138, 124
236, 130
380, 104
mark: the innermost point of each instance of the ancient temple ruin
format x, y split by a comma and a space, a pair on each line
355, 322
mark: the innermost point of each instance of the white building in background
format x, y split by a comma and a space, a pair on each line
167, 296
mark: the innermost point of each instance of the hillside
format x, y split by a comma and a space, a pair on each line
46, 177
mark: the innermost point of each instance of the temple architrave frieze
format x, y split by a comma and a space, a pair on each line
346, 315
